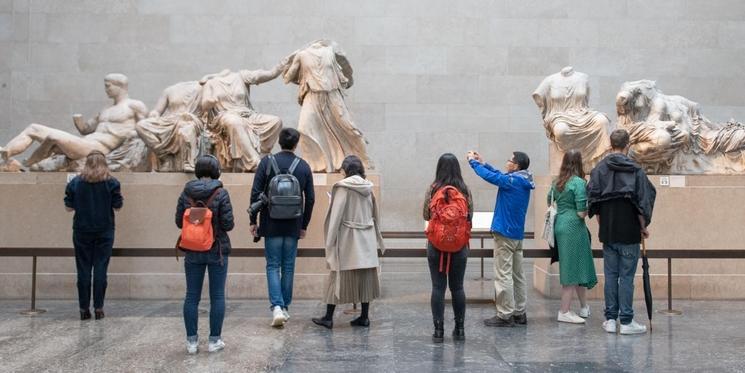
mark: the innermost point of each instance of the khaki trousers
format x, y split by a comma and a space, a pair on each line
509, 279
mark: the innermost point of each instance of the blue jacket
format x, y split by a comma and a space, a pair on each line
512, 199
94, 204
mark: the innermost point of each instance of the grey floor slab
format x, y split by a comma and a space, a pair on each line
148, 336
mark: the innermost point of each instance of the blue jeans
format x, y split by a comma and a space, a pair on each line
619, 264
280, 255
194, 266
92, 254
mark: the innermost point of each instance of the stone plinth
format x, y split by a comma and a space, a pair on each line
695, 212
34, 216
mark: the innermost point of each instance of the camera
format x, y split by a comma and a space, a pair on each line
254, 208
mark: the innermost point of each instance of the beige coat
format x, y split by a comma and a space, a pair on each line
352, 226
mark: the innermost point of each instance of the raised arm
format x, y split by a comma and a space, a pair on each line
490, 174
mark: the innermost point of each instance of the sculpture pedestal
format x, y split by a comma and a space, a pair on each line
34, 216
695, 212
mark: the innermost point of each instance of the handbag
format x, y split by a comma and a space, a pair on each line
550, 220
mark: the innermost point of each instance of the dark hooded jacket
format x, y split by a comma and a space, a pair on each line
222, 211
617, 176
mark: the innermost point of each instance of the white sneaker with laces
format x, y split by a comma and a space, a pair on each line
584, 312
287, 315
216, 345
192, 347
278, 317
609, 326
570, 317
633, 328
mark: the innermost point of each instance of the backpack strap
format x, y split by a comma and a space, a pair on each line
293, 166
275, 166
212, 196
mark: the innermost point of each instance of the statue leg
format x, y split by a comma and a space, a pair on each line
189, 134
267, 128
72, 146
23, 141
243, 142
313, 132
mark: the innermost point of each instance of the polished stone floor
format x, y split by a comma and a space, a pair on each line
148, 336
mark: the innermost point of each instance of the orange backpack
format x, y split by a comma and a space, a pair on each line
196, 233
449, 229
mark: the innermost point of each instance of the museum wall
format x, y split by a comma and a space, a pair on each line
431, 76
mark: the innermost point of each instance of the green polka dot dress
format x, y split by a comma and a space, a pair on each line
573, 242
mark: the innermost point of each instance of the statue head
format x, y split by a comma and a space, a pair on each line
634, 100
115, 84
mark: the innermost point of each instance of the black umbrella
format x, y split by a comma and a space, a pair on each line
647, 284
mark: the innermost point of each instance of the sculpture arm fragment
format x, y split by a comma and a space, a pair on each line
83, 126
160, 106
139, 109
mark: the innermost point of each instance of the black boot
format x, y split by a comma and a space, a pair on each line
459, 332
85, 314
439, 334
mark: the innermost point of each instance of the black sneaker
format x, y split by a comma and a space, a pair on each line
496, 321
520, 319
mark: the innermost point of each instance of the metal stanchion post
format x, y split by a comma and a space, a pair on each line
670, 311
33, 311
482, 259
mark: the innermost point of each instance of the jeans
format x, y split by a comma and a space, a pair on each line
194, 266
619, 265
509, 279
440, 280
280, 255
92, 254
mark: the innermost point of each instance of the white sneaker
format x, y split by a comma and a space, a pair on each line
278, 317
609, 326
287, 315
570, 317
192, 347
584, 312
216, 345
633, 328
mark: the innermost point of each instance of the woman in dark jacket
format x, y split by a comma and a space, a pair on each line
447, 174
215, 261
93, 195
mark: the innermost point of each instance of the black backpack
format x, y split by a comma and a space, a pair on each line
284, 194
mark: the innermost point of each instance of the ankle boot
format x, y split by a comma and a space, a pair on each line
439, 334
459, 333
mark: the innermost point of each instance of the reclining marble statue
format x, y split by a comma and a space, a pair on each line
570, 123
111, 132
241, 135
669, 134
328, 134
173, 128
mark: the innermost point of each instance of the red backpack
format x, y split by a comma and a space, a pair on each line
196, 230
449, 229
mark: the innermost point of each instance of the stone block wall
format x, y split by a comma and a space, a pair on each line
431, 76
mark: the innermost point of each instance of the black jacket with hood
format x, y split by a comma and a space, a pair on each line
617, 176
222, 211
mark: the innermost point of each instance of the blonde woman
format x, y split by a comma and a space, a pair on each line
93, 196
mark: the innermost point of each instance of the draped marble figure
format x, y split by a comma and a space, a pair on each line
328, 133
241, 134
173, 128
669, 134
570, 123
111, 132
